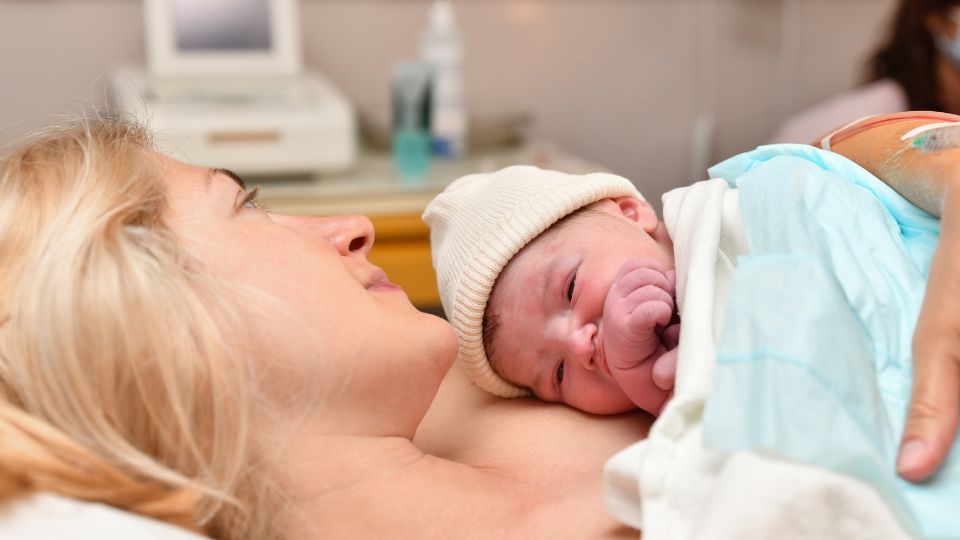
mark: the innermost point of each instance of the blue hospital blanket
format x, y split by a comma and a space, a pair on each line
814, 362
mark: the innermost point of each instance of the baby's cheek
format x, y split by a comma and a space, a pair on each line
592, 296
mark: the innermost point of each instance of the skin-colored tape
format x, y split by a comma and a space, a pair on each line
869, 122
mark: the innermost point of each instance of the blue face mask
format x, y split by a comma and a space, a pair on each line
950, 47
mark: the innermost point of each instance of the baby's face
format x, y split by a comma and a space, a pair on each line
547, 306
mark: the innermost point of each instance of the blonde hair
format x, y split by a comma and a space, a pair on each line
116, 384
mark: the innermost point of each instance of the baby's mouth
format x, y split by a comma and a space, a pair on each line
599, 357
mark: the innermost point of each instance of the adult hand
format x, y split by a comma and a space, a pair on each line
932, 418
637, 315
927, 179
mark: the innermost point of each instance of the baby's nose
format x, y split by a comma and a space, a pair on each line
580, 345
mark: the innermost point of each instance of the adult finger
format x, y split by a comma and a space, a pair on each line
932, 417
935, 401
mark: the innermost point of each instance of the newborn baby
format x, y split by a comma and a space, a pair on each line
559, 285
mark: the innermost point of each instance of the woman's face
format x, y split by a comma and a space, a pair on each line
329, 334
944, 23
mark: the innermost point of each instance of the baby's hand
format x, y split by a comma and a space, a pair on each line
637, 316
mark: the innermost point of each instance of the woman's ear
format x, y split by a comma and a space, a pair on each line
634, 209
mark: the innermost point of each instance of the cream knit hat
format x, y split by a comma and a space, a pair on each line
479, 223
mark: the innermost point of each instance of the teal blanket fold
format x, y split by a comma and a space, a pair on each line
814, 362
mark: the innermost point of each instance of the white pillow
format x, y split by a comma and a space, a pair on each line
51, 516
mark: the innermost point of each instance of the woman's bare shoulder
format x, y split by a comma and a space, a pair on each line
464, 421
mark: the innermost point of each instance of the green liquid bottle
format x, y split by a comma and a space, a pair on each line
411, 153
411, 144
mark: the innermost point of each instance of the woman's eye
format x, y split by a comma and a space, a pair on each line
560, 372
250, 199
573, 283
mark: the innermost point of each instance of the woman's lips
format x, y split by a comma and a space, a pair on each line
380, 283
385, 286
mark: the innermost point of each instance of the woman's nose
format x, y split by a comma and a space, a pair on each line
350, 235
580, 345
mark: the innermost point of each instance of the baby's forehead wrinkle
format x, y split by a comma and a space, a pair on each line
508, 355
513, 347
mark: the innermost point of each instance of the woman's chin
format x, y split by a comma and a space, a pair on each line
447, 350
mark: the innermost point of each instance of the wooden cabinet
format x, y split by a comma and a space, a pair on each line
402, 248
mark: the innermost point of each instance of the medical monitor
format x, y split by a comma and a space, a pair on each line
222, 37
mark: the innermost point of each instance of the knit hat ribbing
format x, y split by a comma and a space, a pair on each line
479, 223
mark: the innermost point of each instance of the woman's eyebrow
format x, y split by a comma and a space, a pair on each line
229, 174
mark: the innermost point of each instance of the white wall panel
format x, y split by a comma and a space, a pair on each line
620, 82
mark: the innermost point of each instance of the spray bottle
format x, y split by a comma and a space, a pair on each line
442, 48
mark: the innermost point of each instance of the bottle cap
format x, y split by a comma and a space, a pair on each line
441, 16
411, 95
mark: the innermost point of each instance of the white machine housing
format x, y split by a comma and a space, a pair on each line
253, 110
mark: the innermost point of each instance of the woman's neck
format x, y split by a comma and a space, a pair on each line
317, 473
319, 466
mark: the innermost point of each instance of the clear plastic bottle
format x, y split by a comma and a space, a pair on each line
442, 48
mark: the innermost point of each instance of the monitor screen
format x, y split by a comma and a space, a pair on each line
222, 25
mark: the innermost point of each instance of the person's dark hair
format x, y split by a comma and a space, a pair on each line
909, 55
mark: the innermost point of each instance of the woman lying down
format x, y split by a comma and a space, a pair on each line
782, 372
176, 360
173, 358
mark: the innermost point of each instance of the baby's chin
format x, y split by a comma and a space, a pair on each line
617, 406
620, 408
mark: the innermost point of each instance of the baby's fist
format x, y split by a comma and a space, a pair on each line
638, 307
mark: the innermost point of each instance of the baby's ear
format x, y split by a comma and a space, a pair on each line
636, 210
